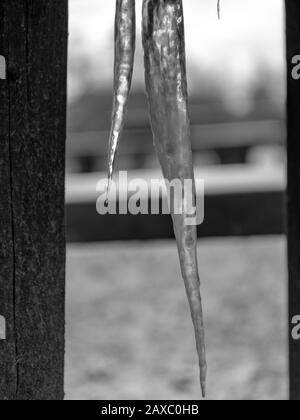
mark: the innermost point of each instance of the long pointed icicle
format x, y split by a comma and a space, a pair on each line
123, 69
165, 73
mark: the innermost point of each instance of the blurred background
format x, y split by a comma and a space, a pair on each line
129, 333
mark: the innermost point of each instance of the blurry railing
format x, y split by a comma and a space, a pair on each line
240, 198
230, 141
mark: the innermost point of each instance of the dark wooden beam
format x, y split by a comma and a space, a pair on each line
8, 377
238, 202
33, 40
293, 195
225, 215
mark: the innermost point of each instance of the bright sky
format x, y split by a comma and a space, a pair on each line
232, 51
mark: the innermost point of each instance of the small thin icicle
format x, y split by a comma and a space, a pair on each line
124, 58
219, 9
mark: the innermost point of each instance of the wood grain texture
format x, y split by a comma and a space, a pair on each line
293, 110
32, 166
8, 377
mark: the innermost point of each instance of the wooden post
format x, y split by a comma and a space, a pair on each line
33, 47
293, 110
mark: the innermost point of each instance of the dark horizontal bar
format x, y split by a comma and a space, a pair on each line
238, 202
237, 214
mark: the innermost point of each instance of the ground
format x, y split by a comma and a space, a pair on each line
129, 332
